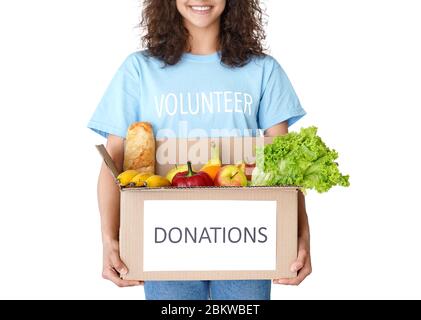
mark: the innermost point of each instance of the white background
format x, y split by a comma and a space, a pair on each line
357, 69
205, 256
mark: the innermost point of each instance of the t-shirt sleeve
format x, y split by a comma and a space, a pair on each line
279, 101
119, 106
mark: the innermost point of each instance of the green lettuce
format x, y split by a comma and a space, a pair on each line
298, 159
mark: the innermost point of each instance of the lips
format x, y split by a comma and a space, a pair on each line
201, 9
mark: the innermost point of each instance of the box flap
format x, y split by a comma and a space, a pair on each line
108, 160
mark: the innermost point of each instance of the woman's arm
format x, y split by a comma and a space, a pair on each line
303, 263
109, 207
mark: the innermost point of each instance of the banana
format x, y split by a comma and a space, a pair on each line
157, 182
140, 179
214, 160
125, 177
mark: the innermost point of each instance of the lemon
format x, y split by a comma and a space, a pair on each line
177, 169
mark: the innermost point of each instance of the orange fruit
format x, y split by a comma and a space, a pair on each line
211, 171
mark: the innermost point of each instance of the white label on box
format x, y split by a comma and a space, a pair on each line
204, 235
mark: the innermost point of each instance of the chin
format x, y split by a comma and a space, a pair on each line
202, 21
202, 24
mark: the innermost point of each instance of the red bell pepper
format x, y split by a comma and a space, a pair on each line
192, 179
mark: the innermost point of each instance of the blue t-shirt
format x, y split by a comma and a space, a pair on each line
198, 97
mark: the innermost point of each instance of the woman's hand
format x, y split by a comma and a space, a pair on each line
113, 267
302, 265
109, 207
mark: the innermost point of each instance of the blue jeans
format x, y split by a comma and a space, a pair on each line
205, 290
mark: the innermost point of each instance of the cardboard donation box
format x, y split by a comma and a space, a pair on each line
207, 233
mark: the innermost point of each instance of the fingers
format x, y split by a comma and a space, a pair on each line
113, 276
114, 269
304, 273
118, 265
302, 265
301, 260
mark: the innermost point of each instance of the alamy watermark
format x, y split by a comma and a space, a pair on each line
196, 148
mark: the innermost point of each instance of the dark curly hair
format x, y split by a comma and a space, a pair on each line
241, 37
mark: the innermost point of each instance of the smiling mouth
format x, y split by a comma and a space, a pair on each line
201, 9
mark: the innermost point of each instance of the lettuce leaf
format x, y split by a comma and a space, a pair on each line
298, 159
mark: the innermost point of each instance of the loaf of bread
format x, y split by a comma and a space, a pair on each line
139, 152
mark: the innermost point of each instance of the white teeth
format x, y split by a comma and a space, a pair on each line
200, 8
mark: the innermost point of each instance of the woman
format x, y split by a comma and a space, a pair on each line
204, 73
